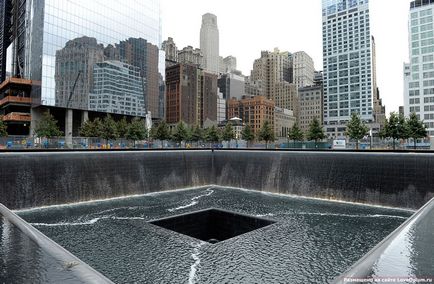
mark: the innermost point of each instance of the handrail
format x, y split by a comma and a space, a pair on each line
396, 244
15, 99
80, 269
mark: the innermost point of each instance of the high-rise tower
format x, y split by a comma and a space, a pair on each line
209, 42
419, 73
347, 63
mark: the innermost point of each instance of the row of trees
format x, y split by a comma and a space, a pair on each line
396, 127
136, 130
315, 133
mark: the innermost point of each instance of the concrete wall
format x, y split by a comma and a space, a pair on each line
40, 179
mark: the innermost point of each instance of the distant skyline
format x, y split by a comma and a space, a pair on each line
247, 28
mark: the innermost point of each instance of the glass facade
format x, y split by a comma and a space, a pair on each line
348, 70
68, 42
419, 74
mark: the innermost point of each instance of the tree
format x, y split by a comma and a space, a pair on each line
47, 127
197, 134
91, 128
122, 127
295, 134
416, 128
181, 133
109, 128
228, 133
213, 135
136, 130
395, 128
248, 135
315, 131
266, 134
356, 128
162, 132
3, 128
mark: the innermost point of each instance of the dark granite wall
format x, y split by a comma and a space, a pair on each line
40, 179
393, 179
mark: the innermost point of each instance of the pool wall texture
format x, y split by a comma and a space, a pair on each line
41, 179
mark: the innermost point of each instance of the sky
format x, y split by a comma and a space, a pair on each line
248, 27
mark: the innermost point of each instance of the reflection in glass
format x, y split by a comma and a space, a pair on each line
97, 55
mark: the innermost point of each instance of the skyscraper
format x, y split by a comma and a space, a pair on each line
347, 63
272, 74
56, 45
303, 69
209, 42
419, 73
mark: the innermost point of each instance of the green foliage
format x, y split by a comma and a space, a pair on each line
162, 132
247, 134
213, 135
395, 128
295, 133
109, 128
153, 131
197, 134
266, 133
316, 131
122, 128
181, 133
356, 128
3, 128
228, 132
47, 127
91, 128
416, 128
137, 130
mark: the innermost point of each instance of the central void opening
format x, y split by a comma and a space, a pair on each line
212, 225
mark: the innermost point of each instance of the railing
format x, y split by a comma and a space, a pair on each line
18, 116
14, 99
80, 270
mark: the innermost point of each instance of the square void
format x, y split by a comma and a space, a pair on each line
212, 225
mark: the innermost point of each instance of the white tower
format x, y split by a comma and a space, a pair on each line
209, 42
419, 73
347, 64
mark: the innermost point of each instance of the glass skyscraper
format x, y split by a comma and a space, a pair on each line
419, 73
348, 85
67, 41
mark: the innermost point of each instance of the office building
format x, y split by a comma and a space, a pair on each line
253, 111
191, 55
303, 69
57, 44
419, 73
191, 95
231, 85
271, 77
310, 106
284, 120
347, 61
171, 52
117, 89
209, 43
221, 108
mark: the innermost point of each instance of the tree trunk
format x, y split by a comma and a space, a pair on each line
266, 144
394, 148
414, 141
357, 144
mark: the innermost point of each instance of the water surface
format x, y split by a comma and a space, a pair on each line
312, 241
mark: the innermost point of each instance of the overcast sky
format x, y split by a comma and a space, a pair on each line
247, 27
